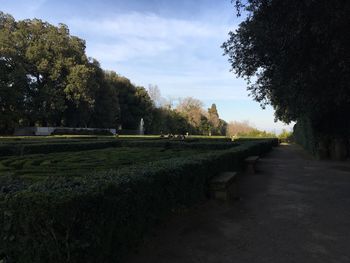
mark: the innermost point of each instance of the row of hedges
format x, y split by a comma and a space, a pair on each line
48, 139
63, 131
101, 217
43, 148
179, 144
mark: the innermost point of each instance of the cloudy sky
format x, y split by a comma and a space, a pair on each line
172, 44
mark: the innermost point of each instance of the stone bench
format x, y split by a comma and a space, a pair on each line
224, 186
250, 164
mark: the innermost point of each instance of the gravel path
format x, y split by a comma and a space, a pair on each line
295, 209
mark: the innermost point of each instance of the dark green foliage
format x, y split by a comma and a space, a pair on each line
22, 149
295, 55
216, 125
133, 102
38, 146
103, 216
168, 121
183, 144
11, 184
47, 71
62, 131
320, 144
35, 167
305, 135
106, 113
46, 79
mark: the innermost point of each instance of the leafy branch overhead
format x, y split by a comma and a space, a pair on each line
295, 56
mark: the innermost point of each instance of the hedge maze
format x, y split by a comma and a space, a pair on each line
93, 201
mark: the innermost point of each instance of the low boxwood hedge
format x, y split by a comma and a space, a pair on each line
103, 216
179, 144
63, 131
40, 148
62, 146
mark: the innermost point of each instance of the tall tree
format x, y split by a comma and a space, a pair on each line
13, 81
55, 73
192, 110
295, 56
213, 119
47, 79
106, 112
134, 102
145, 107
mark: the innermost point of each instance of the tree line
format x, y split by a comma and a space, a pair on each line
245, 129
295, 56
46, 79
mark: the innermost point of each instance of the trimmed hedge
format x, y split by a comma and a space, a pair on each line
103, 216
179, 144
72, 146
40, 148
62, 131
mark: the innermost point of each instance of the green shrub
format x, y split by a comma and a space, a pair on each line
36, 148
101, 217
179, 144
63, 131
68, 146
7, 150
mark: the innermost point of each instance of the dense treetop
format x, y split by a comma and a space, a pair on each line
296, 57
46, 79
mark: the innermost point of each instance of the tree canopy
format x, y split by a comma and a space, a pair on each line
48, 71
295, 56
46, 79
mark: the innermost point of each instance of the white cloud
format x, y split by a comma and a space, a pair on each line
147, 26
138, 35
126, 49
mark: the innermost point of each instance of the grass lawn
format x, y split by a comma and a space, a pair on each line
37, 166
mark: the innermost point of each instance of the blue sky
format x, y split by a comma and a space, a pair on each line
172, 44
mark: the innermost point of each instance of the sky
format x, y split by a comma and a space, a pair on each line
172, 44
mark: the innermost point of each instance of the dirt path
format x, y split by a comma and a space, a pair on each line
294, 209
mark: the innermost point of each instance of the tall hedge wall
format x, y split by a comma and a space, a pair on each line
305, 135
322, 145
102, 216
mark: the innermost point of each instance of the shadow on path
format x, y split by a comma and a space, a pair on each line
295, 209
